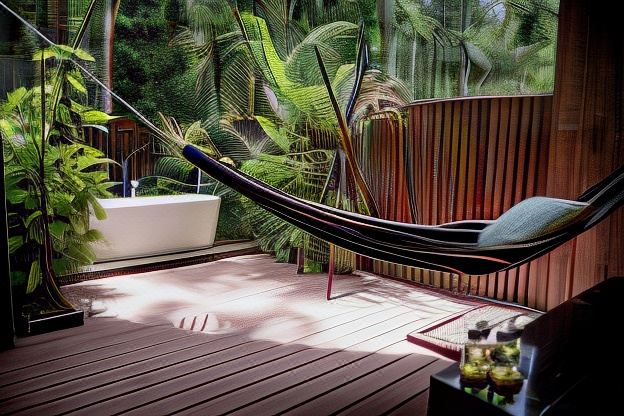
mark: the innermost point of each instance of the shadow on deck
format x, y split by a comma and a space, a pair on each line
242, 335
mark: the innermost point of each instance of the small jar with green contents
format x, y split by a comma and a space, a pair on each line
475, 362
504, 374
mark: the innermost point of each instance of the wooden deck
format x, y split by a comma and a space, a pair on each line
256, 338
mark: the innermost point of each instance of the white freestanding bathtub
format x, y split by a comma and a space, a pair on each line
152, 225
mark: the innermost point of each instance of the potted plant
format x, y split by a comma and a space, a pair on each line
52, 181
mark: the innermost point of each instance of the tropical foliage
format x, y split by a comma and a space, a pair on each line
52, 178
146, 71
468, 47
260, 99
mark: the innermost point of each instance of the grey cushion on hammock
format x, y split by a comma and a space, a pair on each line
531, 219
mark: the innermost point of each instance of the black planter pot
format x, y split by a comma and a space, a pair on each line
47, 322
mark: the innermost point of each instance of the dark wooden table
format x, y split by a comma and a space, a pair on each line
573, 359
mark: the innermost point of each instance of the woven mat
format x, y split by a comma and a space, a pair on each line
448, 338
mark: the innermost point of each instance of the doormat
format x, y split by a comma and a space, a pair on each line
447, 338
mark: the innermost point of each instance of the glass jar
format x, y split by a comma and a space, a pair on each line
475, 360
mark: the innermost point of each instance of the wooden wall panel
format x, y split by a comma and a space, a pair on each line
380, 150
586, 140
473, 158
468, 158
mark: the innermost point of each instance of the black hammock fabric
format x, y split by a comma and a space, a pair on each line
529, 229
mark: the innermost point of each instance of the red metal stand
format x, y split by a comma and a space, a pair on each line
330, 271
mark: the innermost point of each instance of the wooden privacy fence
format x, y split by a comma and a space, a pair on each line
466, 158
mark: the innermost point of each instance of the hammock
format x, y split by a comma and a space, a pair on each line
530, 228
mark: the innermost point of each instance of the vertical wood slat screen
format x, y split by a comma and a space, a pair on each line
488, 163
466, 158
379, 147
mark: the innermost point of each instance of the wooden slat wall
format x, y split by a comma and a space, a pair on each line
470, 158
382, 165
15, 71
475, 157
587, 139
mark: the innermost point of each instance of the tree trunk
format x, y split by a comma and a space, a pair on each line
464, 71
434, 62
413, 65
464, 63
385, 11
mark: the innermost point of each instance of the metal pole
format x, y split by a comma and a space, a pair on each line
199, 178
330, 271
7, 326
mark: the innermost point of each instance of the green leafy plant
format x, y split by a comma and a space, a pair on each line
469, 47
52, 179
262, 101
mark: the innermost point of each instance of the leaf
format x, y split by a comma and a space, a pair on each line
85, 162
78, 224
45, 54
64, 48
336, 41
96, 126
311, 102
92, 236
84, 55
76, 83
16, 196
81, 253
7, 128
34, 276
96, 117
15, 243
31, 202
477, 56
14, 98
98, 210
31, 218
58, 228
272, 130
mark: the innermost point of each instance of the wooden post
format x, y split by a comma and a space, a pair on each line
7, 327
330, 271
300, 260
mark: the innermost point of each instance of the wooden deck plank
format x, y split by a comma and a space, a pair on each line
166, 386
152, 371
284, 347
84, 385
339, 399
367, 340
71, 372
152, 338
398, 392
317, 387
415, 406
254, 375
67, 344
172, 395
